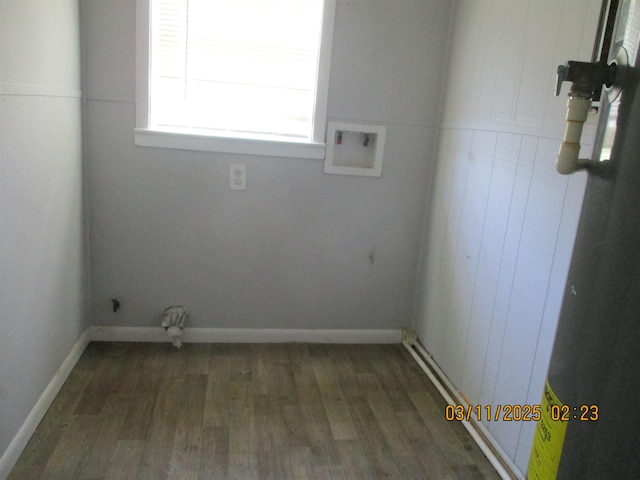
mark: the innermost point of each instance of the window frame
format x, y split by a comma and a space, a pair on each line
146, 136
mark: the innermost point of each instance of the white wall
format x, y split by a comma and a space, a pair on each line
41, 240
293, 250
502, 225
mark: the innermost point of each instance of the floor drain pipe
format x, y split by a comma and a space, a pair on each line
444, 387
173, 321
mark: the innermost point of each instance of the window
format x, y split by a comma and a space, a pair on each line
240, 76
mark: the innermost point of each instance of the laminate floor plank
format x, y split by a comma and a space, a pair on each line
198, 359
430, 456
248, 411
329, 472
186, 451
454, 450
109, 374
66, 456
214, 461
217, 398
44, 440
242, 429
385, 418
374, 443
345, 372
125, 460
354, 459
141, 404
269, 464
102, 439
154, 464
323, 448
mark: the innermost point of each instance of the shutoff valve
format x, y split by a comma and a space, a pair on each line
587, 80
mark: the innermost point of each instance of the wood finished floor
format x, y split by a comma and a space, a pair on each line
260, 411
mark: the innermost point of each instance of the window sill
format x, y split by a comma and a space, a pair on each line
240, 145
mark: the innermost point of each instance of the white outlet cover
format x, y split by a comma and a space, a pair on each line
238, 177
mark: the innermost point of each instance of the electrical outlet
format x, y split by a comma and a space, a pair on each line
238, 177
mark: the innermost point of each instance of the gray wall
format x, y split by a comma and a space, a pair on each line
41, 241
293, 250
502, 223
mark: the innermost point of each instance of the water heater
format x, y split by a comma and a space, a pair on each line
590, 428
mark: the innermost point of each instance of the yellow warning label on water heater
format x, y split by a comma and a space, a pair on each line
548, 439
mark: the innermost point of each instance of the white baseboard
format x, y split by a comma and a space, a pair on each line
245, 335
15, 448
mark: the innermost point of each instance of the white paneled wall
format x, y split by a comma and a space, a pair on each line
42, 242
503, 60
499, 238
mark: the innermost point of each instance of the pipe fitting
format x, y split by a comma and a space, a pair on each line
173, 321
567, 161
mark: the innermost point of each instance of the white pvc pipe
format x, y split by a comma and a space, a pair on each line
577, 111
480, 441
460, 401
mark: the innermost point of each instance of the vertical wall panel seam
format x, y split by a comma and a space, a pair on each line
476, 280
523, 56
504, 242
546, 298
451, 151
437, 265
549, 97
457, 243
494, 90
524, 216
447, 218
430, 198
544, 307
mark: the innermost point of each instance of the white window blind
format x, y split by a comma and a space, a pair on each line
235, 67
